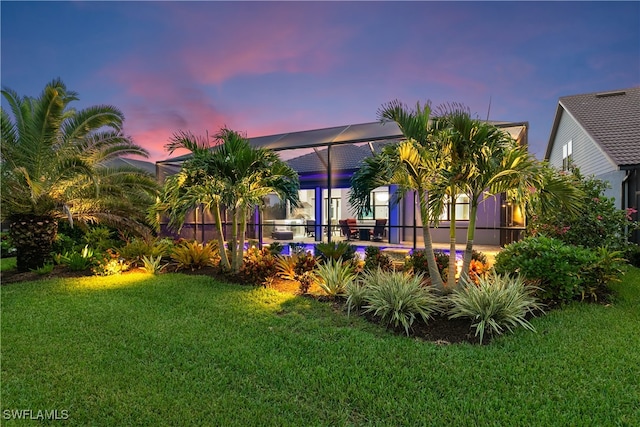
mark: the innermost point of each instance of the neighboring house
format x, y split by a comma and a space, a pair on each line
325, 160
600, 134
145, 166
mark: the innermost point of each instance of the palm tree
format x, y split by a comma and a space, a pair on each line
231, 176
412, 165
55, 165
489, 162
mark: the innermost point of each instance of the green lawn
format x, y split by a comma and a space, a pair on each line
183, 350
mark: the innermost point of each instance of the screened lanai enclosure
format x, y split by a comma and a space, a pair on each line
325, 160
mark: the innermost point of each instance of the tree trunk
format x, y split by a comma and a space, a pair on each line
468, 250
224, 259
33, 237
434, 273
451, 274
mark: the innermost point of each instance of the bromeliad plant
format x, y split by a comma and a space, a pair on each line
195, 255
495, 303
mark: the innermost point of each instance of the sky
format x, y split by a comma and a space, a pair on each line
264, 68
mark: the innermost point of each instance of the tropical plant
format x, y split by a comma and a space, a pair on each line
563, 272
138, 247
100, 238
495, 303
400, 298
412, 165
599, 224
375, 259
195, 255
152, 265
231, 177
481, 161
326, 251
57, 164
334, 276
357, 290
110, 263
77, 261
258, 265
44, 269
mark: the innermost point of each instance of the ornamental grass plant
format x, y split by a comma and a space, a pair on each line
496, 302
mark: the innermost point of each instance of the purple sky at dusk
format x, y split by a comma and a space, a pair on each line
274, 67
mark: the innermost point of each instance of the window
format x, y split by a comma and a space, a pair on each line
462, 209
567, 155
379, 205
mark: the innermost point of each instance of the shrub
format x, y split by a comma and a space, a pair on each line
6, 246
600, 224
335, 250
356, 291
152, 265
632, 254
374, 258
417, 261
400, 298
562, 272
45, 269
109, 263
495, 303
76, 261
137, 248
257, 266
299, 267
195, 255
99, 238
334, 276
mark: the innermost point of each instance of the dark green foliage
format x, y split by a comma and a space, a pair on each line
561, 271
335, 251
600, 223
137, 248
276, 248
76, 260
374, 259
632, 254
6, 246
418, 262
100, 238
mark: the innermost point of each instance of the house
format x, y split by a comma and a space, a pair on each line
325, 160
600, 134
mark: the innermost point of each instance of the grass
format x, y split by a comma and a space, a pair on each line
7, 264
173, 349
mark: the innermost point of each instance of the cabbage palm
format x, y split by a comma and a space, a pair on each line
55, 164
231, 176
412, 165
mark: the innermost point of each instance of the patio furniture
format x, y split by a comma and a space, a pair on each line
348, 227
310, 228
379, 229
282, 235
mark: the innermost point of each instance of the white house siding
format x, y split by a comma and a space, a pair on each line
586, 153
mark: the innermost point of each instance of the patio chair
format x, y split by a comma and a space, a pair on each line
379, 229
347, 229
310, 228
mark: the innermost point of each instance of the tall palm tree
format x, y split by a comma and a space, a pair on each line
412, 165
489, 162
54, 164
229, 176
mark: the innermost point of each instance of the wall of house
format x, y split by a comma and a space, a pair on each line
587, 155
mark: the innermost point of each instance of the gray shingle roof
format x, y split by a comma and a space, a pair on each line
612, 119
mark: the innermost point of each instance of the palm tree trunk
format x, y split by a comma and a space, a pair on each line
33, 237
224, 259
451, 279
468, 250
434, 273
242, 229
